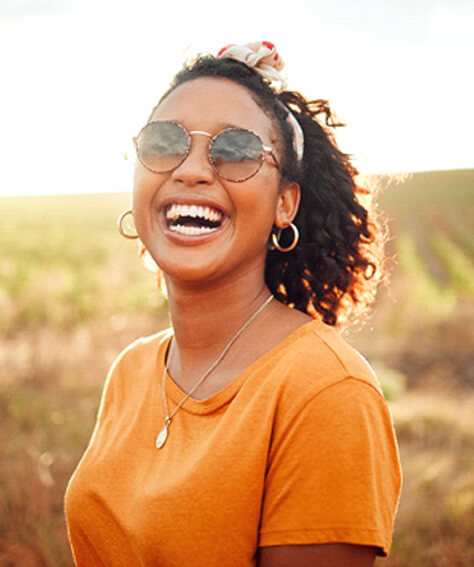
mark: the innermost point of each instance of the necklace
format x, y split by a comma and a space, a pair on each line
163, 434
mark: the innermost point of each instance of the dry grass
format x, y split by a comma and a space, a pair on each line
72, 294
437, 446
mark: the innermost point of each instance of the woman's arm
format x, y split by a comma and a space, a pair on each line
319, 555
333, 478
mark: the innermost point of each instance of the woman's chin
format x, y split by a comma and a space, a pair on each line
188, 270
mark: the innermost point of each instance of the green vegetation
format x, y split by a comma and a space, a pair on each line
461, 229
64, 263
73, 293
460, 268
426, 292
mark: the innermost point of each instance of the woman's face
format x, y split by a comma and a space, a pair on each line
245, 211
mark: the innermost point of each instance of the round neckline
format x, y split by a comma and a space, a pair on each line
224, 396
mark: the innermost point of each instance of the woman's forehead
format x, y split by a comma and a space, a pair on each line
214, 102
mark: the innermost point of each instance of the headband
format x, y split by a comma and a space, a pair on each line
264, 59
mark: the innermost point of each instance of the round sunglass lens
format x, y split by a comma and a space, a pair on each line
236, 154
162, 146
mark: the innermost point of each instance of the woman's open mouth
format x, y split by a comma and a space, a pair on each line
193, 220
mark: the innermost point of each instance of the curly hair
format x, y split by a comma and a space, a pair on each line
334, 270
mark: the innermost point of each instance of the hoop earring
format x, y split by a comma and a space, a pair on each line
296, 237
120, 226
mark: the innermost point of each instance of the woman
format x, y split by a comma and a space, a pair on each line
249, 433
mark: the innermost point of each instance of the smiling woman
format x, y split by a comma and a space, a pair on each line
249, 433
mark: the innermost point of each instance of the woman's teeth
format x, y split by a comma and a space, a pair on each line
194, 211
192, 219
183, 229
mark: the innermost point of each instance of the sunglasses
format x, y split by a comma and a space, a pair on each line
235, 154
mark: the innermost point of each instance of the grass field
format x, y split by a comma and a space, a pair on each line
73, 293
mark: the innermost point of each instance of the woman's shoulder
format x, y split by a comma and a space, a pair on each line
314, 357
132, 367
142, 352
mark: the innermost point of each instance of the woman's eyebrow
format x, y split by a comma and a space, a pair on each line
225, 125
218, 128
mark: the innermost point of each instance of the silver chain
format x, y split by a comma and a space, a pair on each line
211, 368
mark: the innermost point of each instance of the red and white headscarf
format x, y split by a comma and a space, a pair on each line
263, 57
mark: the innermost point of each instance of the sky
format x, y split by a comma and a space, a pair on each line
79, 78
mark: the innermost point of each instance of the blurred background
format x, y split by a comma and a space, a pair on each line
79, 80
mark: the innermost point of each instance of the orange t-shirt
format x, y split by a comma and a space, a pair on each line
298, 449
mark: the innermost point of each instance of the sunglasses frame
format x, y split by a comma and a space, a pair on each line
266, 150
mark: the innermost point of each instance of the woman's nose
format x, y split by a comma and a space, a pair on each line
196, 168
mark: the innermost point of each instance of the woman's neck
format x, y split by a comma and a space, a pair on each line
205, 319
202, 318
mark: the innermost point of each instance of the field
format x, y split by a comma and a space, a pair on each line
73, 293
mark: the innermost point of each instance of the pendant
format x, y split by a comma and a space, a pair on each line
161, 437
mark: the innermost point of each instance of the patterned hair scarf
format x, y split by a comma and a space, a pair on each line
263, 57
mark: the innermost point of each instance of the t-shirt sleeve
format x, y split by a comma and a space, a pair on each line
113, 392
333, 474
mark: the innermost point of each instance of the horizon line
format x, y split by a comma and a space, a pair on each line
404, 175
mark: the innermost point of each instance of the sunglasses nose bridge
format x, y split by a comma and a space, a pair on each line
192, 132
196, 165
193, 144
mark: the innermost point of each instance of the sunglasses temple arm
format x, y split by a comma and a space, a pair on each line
269, 152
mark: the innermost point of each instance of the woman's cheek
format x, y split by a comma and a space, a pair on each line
142, 197
145, 185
